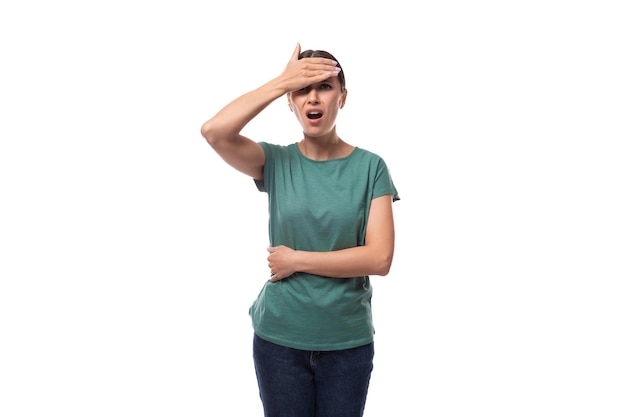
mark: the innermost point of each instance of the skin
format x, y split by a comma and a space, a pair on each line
309, 84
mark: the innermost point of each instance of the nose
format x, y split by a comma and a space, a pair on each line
312, 97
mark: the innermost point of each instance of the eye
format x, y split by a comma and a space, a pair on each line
325, 86
304, 90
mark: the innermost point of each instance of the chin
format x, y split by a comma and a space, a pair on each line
314, 134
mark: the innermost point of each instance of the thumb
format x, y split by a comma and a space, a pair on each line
296, 52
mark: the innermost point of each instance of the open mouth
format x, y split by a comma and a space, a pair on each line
314, 115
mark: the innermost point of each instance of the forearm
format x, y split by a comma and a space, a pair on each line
228, 122
232, 118
345, 263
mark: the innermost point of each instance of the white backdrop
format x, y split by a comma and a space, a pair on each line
130, 253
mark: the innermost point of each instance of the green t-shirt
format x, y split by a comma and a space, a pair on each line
318, 206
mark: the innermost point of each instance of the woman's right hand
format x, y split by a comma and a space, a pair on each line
301, 73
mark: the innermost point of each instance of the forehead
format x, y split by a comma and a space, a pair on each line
334, 81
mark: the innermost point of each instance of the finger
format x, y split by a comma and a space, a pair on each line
324, 67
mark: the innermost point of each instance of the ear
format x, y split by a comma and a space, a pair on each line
343, 99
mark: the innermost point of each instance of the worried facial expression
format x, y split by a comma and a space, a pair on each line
317, 106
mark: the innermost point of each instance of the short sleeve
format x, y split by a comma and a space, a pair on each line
383, 184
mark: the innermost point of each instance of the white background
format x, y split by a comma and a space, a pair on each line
130, 253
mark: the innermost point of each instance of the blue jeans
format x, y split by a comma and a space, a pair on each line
301, 383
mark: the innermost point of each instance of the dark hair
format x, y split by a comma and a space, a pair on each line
310, 53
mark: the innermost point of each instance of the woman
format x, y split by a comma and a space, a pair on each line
330, 227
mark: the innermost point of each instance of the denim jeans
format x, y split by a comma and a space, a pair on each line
301, 383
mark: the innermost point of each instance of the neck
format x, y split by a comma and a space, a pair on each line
324, 148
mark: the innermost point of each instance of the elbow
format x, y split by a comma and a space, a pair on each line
207, 132
213, 133
384, 270
383, 265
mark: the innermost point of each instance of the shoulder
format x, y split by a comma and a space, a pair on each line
274, 149
368, 156
379, 172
